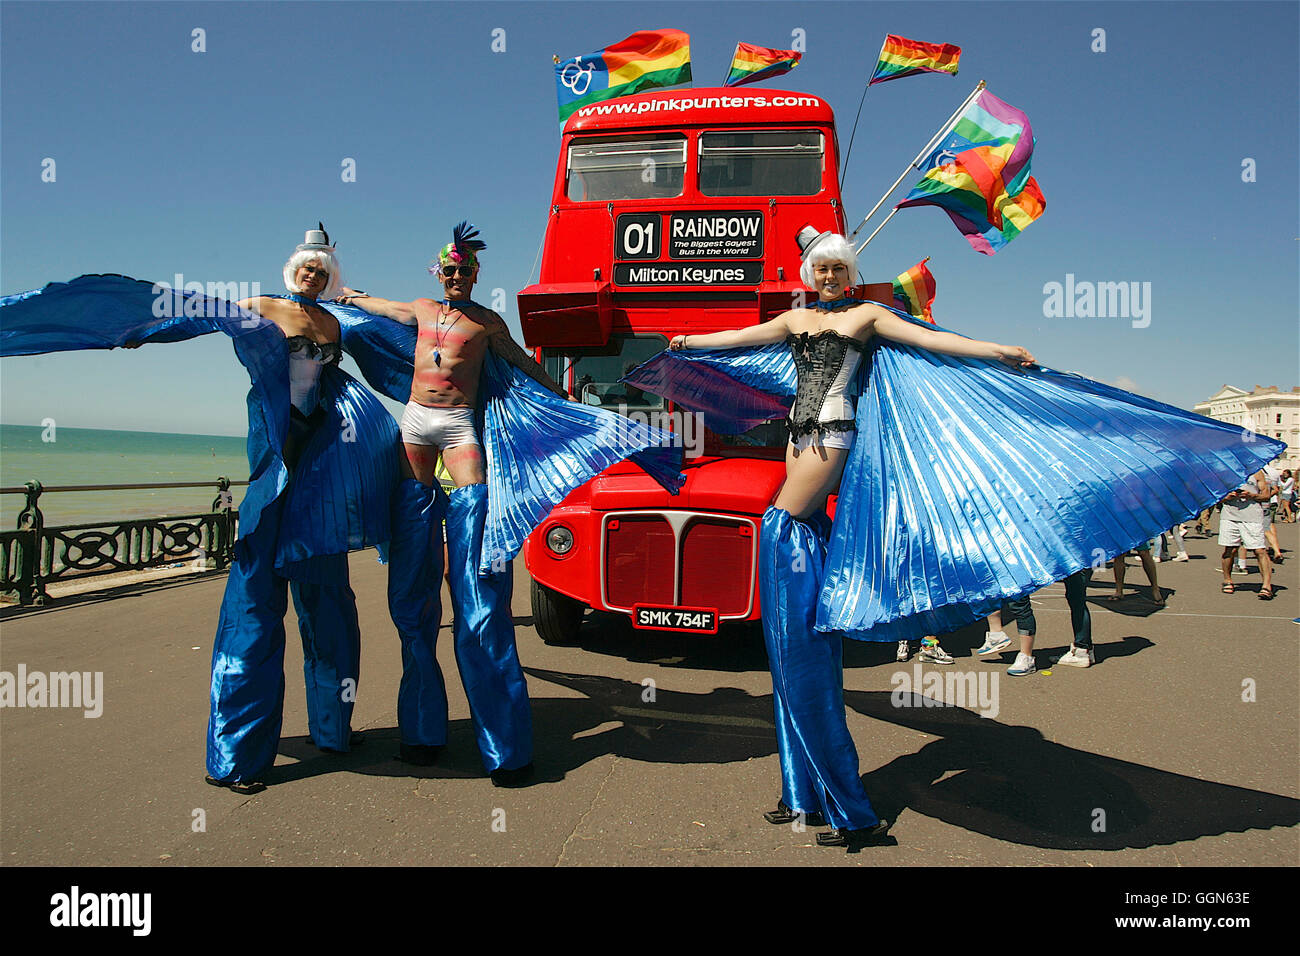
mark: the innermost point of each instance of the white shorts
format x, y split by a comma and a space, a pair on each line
818, 441
444, 427
1233, 533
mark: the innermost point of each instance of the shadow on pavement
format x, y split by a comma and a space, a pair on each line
1006, 782
1011, 784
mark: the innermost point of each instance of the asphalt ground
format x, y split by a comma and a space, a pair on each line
1178, 748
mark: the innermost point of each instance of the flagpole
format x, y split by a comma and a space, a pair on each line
734, 54
859, 249
943, 131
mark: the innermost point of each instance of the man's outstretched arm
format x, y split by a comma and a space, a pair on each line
510, 350
403, 312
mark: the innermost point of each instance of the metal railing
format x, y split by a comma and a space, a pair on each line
34, 555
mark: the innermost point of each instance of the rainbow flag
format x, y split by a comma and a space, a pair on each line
645, 60
986, 121
750, 63
914, 291
901, 57
988, 199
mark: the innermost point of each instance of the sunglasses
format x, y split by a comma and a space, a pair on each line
463, 271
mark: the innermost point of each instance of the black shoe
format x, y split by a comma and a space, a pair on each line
853, 838
236, 786
783, 815
420, 755
517, 777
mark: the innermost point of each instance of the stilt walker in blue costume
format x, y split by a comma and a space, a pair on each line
514, 446
321, 463
967, 475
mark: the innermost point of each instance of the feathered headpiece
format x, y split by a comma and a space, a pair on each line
463, 248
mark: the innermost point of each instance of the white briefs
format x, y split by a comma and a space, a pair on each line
443, 426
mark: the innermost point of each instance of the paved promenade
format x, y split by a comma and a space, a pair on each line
1150, 758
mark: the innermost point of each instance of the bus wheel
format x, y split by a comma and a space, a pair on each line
556, 616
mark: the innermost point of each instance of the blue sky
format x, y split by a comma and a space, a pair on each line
213, 164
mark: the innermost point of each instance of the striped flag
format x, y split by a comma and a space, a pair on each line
914, 291
645, 60
900, 57
752, 63
987, 199
987, 121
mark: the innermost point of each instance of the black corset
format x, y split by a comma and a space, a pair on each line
330, 353
818, 359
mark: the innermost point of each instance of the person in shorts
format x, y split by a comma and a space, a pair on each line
1241, 525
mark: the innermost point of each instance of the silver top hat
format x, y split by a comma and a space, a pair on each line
316, 240
808, 238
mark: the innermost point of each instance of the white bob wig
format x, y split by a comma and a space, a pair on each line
329, 262
833, 248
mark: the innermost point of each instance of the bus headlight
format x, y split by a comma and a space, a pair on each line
559, 539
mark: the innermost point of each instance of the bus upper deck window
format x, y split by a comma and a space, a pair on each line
610, 169
777, 163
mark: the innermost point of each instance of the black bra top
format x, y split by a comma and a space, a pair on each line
329, 353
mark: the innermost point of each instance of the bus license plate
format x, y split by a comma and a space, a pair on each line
693, 619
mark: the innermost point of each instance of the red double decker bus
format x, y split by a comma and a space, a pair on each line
672, 212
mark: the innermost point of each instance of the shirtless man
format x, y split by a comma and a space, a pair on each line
453, 337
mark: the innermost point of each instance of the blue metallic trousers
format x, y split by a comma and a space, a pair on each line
819, 762
485, 638
248, 656
415, 602
483, 630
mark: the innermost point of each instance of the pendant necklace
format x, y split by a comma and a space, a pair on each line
438, 335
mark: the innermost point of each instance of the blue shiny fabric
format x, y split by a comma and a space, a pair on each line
415, 602
538, 446
971, 483
345, 473
734, 389
485, 637
819, 762
293, 527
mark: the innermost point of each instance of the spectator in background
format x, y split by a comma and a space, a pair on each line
1158, 544
1148, 565
1270, 533
1242, 525
1286, 497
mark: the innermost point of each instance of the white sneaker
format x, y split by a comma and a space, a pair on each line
1077, 657
1182, 556
1024, 665
904, 652
994, 642
934, 654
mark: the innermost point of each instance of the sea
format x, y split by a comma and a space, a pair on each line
94, 456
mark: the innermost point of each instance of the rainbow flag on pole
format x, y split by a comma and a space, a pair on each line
750, 63
987, 198
914, 291
901, 57
645, 60
987, 121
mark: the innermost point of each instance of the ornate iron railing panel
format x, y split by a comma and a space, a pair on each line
35, 555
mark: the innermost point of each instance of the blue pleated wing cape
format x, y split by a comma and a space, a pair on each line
971, 482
